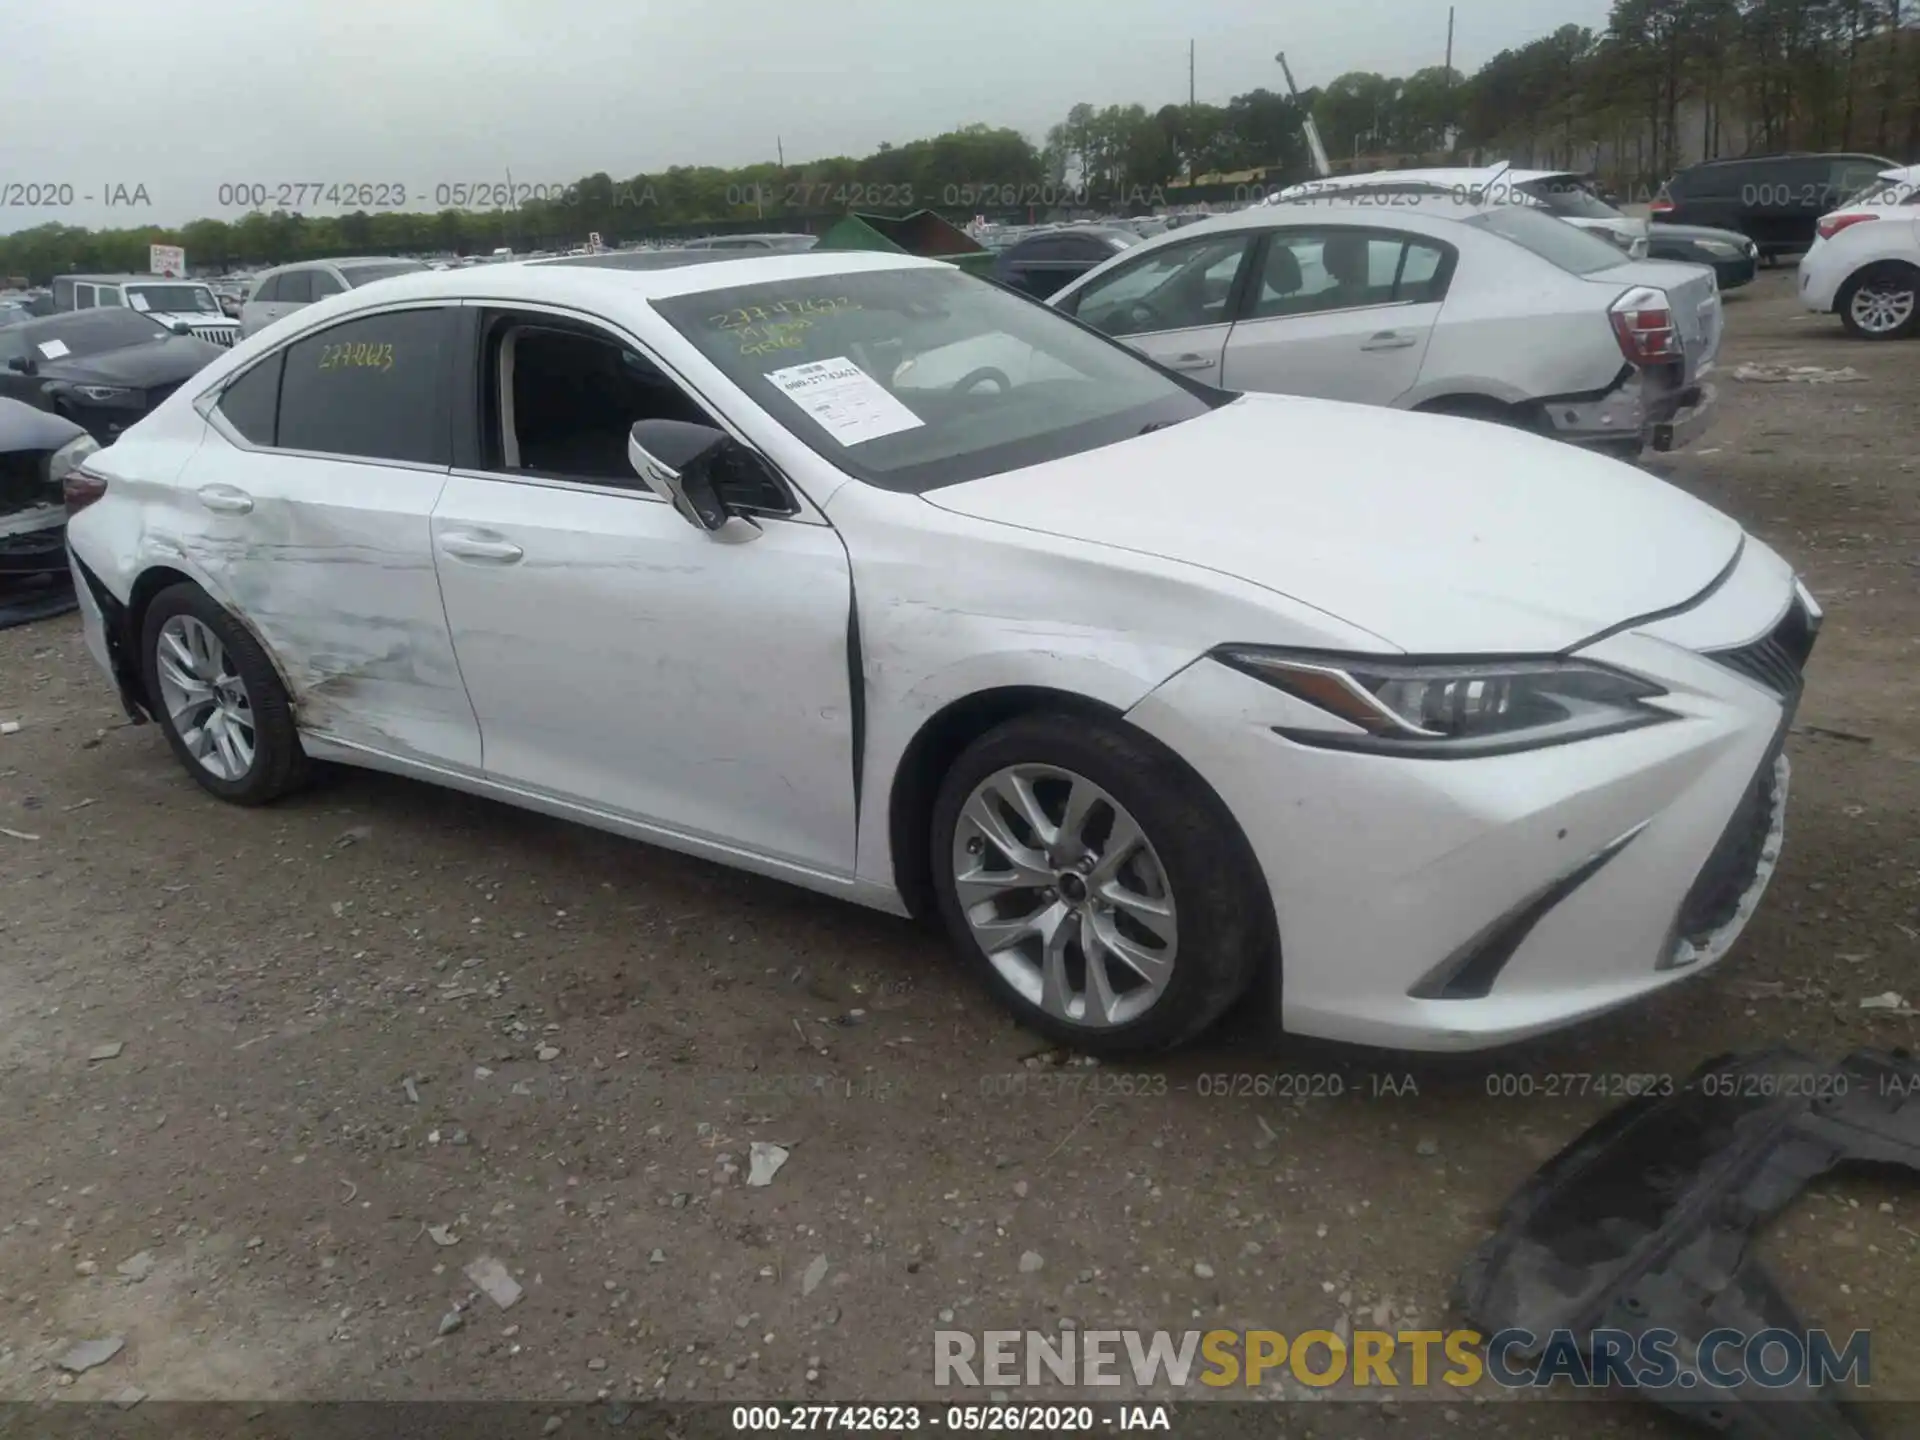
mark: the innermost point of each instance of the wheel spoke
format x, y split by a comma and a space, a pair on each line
982, 884
181, 653
1056, 993
1156, 915
1100, 993
230, 749
1082, 801
1122, 840
997, 934
1031, 810
1152, 968
984, 814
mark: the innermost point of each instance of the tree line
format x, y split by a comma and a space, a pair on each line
1665, 83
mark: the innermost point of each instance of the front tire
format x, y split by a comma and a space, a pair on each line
1882, 302
217, 697
1103, 895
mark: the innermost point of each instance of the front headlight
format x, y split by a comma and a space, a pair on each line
68, 456
105, 394
1722, 249
1449, 711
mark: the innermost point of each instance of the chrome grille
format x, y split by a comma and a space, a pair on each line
217, 334
1777, 658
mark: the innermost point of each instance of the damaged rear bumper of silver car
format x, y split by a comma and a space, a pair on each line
1639, 412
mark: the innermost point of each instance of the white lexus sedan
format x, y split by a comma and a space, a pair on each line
1439, 734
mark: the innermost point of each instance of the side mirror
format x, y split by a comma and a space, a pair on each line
678, 459
22, 363
180, 327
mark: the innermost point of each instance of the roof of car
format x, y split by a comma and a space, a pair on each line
344, 262
132, 279
1784, 155
1459, 175
1330, 206
566, 276
662, 259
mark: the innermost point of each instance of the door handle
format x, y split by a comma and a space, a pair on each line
1190, 362
473, 547
1388, 340
225, 500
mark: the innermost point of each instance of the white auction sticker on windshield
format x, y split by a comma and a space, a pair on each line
137, 301
53, 349
849, 404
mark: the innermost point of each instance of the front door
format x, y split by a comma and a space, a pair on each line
1174, 304
618, 656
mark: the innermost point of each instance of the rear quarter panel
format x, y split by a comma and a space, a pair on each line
1514, 328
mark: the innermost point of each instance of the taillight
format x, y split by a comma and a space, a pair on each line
80, 489
1832, 225
1643, 324
1660, 205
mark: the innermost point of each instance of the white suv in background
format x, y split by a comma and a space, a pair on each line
284, 290
183, 306
1865, 262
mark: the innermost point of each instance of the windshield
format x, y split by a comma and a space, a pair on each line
173, 299
79, 333
1572, 249
1567, 197
1900, 187
358, 275
913, 379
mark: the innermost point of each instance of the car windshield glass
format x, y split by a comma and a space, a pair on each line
1567, 197
358, 275
1555, 241
1897, 190
917, 378
173, 299
92, 332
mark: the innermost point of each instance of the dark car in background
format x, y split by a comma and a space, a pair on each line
102, 369
37, 450
1774, 200
1733, 258
1044, 262
782, 241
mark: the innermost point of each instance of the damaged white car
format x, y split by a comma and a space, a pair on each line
1429, 733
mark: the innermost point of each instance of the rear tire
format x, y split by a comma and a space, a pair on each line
1882, 302
219, 700
1037, 823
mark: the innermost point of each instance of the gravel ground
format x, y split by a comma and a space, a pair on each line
379, 1032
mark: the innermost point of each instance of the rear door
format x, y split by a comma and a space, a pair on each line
310, 509
1339, 312
1174, 304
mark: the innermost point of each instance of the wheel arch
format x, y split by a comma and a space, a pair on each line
146, 588
945, 735
1895, 263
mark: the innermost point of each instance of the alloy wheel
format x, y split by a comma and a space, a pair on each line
1880, 307
205, 698
1065, 895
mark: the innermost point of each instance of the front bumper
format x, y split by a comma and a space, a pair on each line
1463, 904
37, 547
1732, 274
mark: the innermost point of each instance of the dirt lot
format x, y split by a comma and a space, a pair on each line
380, 1009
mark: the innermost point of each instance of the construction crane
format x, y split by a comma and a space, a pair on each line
1314, 147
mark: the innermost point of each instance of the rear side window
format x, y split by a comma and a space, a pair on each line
372, 387
1572, 249
251, 404
325, 285
297, 286
267, 290
83, 297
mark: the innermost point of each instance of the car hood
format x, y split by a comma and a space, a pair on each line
1438, 535
162, 362
23, 428
1663, 231
192, 317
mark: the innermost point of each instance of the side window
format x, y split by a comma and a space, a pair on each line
83, 297
371, 387
1423, 277
296, 286
268, 290
1850, 177
324, 284
251, 404
108, 297
562, 400
1174, 288
1308, 272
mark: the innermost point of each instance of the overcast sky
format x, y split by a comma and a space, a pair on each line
182, 96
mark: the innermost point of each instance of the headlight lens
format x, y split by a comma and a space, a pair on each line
105, 393
69, 456
1722, 249
1445, 711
